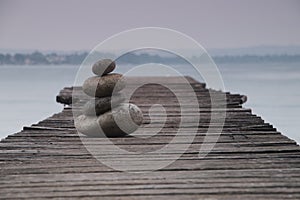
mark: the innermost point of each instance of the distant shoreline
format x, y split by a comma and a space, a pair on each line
38, 58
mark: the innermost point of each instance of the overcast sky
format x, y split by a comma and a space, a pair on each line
80, 25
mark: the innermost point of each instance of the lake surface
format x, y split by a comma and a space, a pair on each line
28, 92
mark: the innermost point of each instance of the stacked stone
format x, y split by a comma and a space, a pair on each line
106, 113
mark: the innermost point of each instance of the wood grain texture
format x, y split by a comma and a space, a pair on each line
250, 160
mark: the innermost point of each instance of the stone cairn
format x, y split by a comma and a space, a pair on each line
106, 113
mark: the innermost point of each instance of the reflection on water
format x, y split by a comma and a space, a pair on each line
28, 92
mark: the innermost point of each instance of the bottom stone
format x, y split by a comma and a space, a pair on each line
120, 121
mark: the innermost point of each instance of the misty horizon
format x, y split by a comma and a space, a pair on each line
247, 50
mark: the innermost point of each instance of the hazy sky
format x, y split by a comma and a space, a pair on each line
77, 25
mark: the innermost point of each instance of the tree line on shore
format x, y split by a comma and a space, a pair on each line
36, 58
40, 58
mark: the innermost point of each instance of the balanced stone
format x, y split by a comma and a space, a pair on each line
97, 86
122, 120
103, 67
98, 106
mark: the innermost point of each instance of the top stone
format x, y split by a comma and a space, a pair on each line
103, 67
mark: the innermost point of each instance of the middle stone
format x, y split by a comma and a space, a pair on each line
98, 106
104, 86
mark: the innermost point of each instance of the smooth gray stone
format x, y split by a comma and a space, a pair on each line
103, 86
103, 67
120, 121
97, 106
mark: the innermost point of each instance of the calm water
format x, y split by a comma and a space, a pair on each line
28, 92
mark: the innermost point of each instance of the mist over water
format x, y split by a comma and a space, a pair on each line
28, 92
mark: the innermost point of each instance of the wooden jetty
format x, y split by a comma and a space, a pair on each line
251, 159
